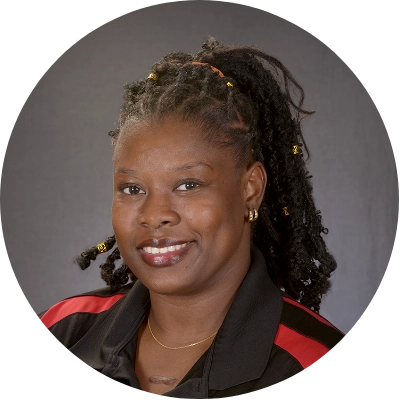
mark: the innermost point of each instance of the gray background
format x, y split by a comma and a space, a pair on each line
57, 182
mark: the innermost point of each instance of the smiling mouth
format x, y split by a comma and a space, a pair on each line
164, 256
164, 250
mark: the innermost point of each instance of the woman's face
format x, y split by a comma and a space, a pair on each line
179, 209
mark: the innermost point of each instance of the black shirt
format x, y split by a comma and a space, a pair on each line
266, 336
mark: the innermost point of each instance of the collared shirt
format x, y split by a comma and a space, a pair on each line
266, 336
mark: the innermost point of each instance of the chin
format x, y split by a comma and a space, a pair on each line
175, 281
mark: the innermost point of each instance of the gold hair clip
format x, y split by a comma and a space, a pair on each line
285, 211
153, 76
101, 247
229, 84
295, 149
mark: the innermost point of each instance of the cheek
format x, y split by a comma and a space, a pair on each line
204, 216
215, 218
121, 218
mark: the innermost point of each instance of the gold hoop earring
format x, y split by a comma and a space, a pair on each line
253, 215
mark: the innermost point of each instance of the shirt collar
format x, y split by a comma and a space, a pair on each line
244, 342
114, 329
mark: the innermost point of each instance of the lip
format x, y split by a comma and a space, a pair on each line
164, 259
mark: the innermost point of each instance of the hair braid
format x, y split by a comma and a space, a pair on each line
113, 278
119, 277
86, 257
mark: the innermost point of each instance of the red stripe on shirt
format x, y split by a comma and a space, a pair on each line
315, 315
305, 350
90, 304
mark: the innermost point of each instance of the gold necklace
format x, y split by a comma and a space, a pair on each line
179, 347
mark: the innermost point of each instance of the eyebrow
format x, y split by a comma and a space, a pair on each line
179, 168
193, 165
126, 171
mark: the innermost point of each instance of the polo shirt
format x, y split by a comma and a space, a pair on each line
266, 336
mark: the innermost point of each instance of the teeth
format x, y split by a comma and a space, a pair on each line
163, 250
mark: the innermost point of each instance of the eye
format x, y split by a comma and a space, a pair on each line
187, 186
132, 190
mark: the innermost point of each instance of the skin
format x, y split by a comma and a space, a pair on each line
170, 184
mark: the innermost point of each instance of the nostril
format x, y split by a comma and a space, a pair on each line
158, 220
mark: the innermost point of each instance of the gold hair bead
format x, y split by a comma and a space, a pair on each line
101, 247
229, 84
153, 76
295, 149
285, 211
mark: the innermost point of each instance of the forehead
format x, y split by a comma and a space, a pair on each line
170, 142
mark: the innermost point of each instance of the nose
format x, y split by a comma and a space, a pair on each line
157, 211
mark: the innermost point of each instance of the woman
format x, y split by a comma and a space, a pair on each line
214, 218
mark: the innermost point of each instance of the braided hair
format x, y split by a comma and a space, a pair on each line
253, 109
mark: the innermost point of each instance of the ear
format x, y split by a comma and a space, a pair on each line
255, 184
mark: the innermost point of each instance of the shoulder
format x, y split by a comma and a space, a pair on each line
303, 334
93, 302
72, 317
